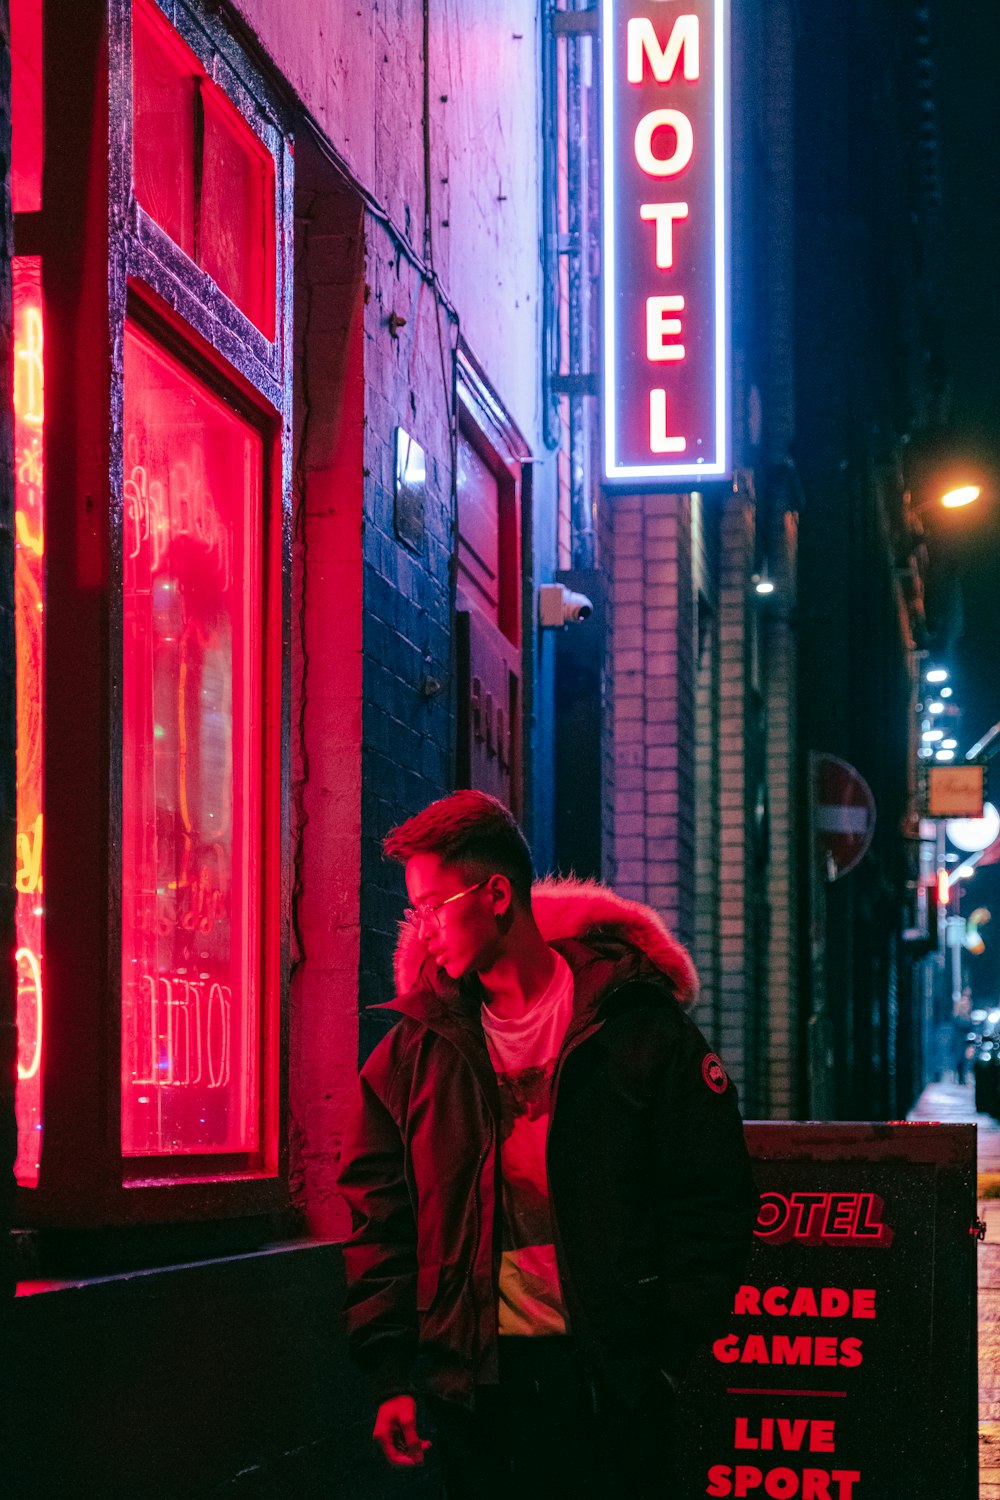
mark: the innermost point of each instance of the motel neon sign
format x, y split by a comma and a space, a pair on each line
664, 242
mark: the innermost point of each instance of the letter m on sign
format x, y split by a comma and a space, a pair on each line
643, 45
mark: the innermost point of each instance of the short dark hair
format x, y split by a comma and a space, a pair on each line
468, 828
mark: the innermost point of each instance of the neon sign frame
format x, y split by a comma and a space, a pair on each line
713, 245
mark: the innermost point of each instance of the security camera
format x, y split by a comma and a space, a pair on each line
559, 606
576, 607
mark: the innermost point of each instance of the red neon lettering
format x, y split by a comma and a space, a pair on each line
823, 1218
804, 1302
747, 1302
642, 45
659, 441
789, 1433
781, 1484
868, 1226
660, 326
840, 1210
663, 215
664, 119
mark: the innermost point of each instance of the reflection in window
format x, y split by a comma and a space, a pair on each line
191, 764
29, 628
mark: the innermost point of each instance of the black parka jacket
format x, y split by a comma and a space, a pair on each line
653, 1202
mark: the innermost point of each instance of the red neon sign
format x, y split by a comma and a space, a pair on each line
823, 1219
666, 322
29, 634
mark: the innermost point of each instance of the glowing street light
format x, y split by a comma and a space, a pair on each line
964, 495
937, 674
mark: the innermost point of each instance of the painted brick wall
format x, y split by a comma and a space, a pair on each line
358, 69
327, 680
707, 867
734, 940
407, 732
781, 990
654, 708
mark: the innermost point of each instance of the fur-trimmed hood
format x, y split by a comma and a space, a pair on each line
587, 911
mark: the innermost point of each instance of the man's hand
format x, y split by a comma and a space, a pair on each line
396, 1432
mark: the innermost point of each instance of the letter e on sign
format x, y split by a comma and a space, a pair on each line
664, 388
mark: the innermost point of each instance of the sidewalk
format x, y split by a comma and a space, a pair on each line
952, 1104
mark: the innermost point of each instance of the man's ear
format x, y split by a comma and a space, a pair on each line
502, 894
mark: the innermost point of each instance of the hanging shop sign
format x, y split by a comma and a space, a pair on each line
955, 791
664, 240
847, 1370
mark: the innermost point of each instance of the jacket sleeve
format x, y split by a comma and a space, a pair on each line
380, 1256
707, 1193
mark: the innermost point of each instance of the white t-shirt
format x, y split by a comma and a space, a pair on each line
524, 1052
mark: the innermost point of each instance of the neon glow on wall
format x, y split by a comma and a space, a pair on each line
664, 240
191, 794
29, 630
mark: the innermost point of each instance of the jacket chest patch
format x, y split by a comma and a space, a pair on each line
714, 1073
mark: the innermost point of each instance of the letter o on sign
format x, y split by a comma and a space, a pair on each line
773, 1215
662, 119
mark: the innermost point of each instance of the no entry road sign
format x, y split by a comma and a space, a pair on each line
843, 813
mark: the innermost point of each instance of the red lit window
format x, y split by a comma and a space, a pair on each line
191, 986
29, 630
200, 171
152, 585
26, 105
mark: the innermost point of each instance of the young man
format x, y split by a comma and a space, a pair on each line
550, 1191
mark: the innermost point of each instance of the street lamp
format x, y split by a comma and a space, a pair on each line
965, 494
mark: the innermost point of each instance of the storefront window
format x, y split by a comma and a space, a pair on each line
29, 628
200, 171
26, 105
191, 835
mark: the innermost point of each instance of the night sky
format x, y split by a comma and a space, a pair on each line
967, 34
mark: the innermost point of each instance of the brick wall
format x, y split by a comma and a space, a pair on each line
326, 681
780, 666
407, 730
735, 947
705, 575
654, 707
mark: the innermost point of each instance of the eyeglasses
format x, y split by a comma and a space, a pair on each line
415, 916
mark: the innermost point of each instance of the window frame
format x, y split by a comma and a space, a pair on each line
126, 267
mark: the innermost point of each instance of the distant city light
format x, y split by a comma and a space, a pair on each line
764, 585
933, 734
925, 752
965, 872
945, 692
945, 755
964, 495
937, 674
949, 744
935, 708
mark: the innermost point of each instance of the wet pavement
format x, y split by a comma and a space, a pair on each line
953, 1104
